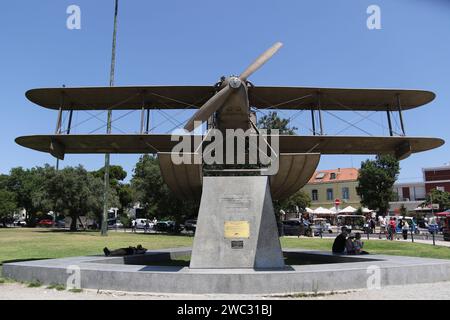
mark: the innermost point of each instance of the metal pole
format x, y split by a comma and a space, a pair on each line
320, 113
108, 127
147, 125
400, 114
69, 124
142, 119
59, 118
388, 112
313, 122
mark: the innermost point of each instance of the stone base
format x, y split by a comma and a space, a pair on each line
324, 272
236, 226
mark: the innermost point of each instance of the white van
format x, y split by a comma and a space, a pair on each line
140, 223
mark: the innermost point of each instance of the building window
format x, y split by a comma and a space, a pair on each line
330, 194
332, 176
315, 195
320, 175
345, 193
440, 188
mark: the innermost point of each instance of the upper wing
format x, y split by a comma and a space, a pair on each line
182, 97
122, 98
337, 99
58, 145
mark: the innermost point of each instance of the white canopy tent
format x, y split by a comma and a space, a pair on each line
323, 211
334, 210
309, 210
366, 210
348, 209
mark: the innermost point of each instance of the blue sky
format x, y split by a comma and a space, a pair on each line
326, 44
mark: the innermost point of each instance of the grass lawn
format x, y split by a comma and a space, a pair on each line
30, 244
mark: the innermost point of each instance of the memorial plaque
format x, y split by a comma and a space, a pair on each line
237, 244
236, 229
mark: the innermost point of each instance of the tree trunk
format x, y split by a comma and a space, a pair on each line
73, 223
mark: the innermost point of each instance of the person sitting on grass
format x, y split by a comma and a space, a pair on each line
125, 251
340, 241
358, 244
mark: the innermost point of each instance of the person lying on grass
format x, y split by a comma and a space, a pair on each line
125, 251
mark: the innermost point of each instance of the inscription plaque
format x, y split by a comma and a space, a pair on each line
236, 229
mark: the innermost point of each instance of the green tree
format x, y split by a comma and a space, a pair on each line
74, 192
438, 197
273, 121
299, 199
7, 205
26, 184
158, 200
375, 182
123, 190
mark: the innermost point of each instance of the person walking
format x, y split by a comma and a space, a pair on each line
392, 226
372, 225
382, 227
405, 229
147, 226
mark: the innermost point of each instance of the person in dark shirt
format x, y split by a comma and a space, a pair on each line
340, 241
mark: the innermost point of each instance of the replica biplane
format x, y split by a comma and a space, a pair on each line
228, 105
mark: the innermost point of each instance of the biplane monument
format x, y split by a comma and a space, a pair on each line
236, 226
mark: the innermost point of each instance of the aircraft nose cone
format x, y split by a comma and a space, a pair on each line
235, 82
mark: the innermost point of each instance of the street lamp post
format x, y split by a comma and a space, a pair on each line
108, 127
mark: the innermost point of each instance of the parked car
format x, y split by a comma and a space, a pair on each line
116, 225
352, 222
60, 224
168, 226
20, 223
321, 225
45, 223
140, 223
190, 225
296, 227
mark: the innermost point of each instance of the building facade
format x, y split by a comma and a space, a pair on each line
408, 195
325, 186
437, 178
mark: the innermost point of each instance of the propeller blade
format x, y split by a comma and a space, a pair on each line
210, 106
260, 61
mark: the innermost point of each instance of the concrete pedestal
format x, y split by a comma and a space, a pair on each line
236, 226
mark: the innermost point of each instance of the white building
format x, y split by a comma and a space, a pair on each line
410, 195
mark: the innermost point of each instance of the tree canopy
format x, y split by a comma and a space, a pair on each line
300, 200
438, 197
273, 121
375, 182
158, 200
7, 205
75, 192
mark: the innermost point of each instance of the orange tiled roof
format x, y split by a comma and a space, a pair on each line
342, 174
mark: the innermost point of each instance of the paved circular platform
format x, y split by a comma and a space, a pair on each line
322, 271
